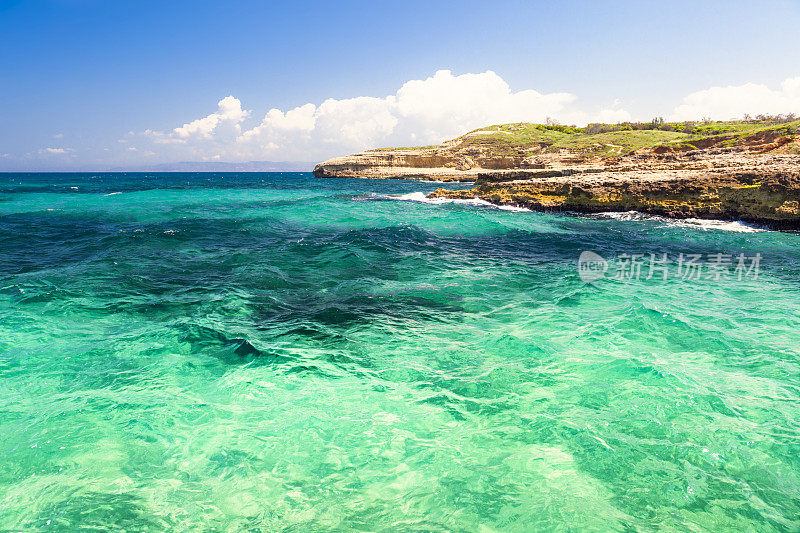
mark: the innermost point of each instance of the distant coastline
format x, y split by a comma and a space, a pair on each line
222, 166
183, 166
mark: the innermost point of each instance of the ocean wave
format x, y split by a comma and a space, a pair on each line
696, 223
421, 197
447, 181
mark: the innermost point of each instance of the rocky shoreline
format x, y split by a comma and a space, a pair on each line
753, 178
763, 190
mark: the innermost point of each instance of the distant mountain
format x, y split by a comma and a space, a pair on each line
222, 166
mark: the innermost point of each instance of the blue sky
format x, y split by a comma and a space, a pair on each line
91, 84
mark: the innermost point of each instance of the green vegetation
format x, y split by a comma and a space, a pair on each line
523, 133
789, 129
517, 138
619, 139
737, 134
426, 147
618, 142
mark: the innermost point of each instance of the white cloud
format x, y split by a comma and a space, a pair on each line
426, 111
445, 106
299, 121
613, 114
55, 150
225, 121
421, 111
58, 136
725, 103
356, 122
229, 112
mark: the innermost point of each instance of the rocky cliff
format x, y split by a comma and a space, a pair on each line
745, 171
461, 159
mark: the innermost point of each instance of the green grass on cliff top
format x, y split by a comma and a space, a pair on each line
620, 142
521, 137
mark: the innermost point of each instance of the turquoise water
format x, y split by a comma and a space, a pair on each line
274, 352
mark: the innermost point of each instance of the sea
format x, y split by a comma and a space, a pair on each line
276, 352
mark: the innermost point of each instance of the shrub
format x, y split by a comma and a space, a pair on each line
772, 119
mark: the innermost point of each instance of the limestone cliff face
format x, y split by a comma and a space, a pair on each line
389, 163
457, 160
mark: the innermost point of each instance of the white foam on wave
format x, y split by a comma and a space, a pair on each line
420, 197
112, 193
696, 223
447, 181
722, 225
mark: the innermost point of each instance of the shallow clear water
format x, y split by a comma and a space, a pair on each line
275, 352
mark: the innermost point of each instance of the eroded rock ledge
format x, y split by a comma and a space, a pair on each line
765, 192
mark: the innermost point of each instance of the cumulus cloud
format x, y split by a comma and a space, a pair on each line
297, 123
725, 103
226, 120
55, 150
425, 111
444, 105
612, 115
421, 111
